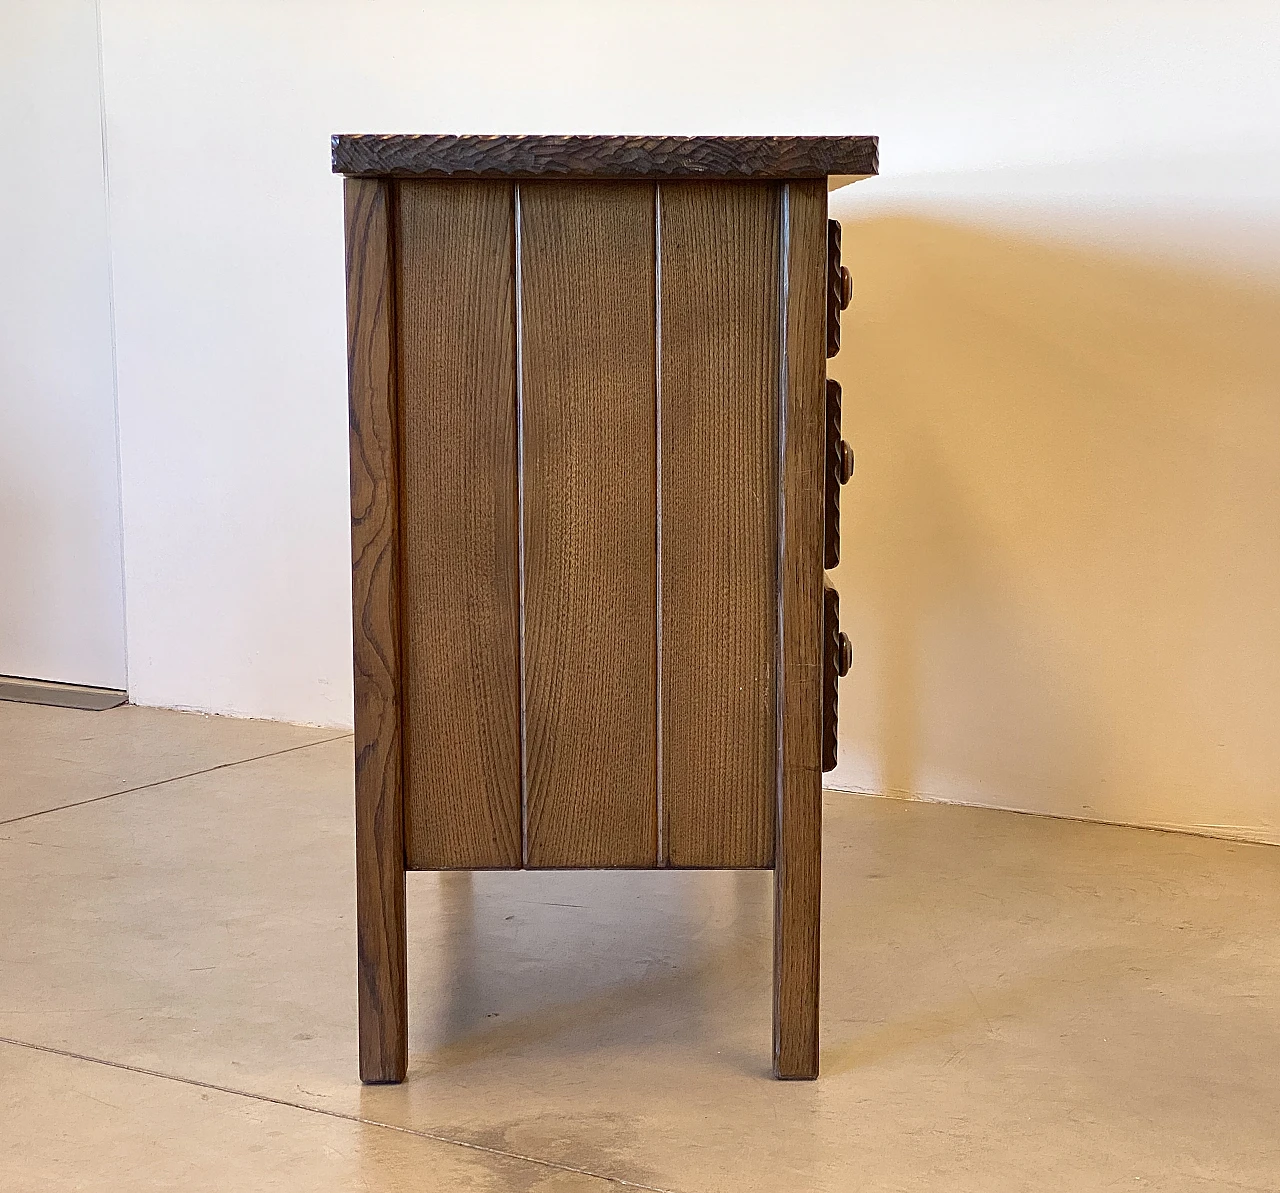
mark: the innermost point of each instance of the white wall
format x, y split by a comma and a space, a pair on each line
1061, 556
61, 602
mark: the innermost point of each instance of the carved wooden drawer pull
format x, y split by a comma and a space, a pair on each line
839, 287
839, 468
837, 658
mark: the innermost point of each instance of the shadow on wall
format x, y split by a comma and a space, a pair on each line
1061, 559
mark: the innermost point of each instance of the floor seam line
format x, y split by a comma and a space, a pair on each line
96, 799
335, 1114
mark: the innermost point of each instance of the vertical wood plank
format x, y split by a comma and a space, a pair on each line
456, 315
380, 912
719, 431
798, 865
587, 262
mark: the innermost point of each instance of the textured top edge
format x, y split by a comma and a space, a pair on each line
428, 155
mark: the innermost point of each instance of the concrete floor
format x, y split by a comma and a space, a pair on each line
1009, 1003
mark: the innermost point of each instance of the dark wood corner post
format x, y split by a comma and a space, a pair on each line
798, 864
380, 858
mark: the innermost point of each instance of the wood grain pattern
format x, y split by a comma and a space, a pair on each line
798, 865
589, 523
380, 883
441, 156
459, 611
719, 419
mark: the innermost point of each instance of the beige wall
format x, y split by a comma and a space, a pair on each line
1061, 565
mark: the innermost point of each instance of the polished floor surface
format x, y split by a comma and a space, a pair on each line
1009, 1002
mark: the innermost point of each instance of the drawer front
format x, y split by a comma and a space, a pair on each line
837, 656
839, 287
838, 470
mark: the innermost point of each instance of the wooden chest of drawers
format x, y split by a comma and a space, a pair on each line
595, 468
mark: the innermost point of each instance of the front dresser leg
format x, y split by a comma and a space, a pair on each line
798, 842
797, 907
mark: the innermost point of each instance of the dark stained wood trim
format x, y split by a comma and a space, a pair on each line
443, 156
798, 865
380, 866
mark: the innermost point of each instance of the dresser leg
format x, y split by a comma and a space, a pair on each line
803, 437
375, 585
797, 914
380, 929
